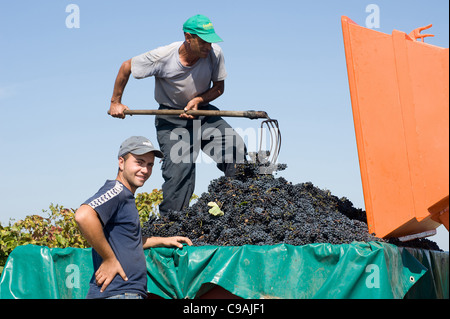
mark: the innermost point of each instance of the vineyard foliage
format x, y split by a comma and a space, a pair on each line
59, 229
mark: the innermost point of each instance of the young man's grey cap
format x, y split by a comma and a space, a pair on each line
138, 145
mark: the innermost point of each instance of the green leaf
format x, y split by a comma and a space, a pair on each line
215, 209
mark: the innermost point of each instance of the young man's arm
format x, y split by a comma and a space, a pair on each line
91, 228
176, 241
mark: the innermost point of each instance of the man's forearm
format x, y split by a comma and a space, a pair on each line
203, 99
213, 93
121, 81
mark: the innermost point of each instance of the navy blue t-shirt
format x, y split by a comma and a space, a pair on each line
116, 207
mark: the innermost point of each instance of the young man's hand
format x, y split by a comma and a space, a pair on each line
107, 271
176, 241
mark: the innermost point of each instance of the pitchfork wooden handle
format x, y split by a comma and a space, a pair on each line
247, 114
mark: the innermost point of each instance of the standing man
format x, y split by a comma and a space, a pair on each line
109, 221
188, 75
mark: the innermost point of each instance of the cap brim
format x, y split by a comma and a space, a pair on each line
158, 154
145, 151
210, 38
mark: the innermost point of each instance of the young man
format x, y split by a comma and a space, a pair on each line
188, 75
109, 221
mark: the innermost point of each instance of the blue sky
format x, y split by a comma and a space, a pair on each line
284, 57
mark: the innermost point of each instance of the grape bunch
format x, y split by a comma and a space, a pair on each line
264, 210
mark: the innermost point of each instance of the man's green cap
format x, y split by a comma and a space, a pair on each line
203, 27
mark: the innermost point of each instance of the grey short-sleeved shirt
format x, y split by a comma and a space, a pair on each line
175, 84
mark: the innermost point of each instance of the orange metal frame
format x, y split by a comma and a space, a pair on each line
399, 94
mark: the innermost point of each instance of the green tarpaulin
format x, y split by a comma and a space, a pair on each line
357, 270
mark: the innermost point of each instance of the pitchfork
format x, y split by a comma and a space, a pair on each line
262, 156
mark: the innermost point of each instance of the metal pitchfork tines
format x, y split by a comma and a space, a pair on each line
267, 159
275, 145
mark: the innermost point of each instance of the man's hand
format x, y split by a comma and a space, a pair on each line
116, 110
192, 105
107, 271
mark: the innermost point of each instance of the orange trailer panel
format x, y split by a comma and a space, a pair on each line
399, 94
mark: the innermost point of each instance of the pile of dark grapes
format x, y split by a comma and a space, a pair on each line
264, 210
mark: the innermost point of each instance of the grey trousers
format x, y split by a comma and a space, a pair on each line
181, 140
